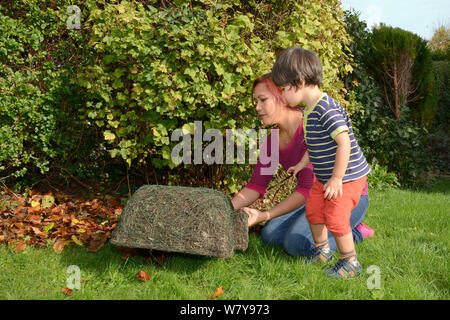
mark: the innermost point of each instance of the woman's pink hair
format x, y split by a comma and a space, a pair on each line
274, 90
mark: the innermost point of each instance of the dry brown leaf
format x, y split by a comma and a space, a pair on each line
67, 291
69, 222
21, 210
38, 232
58, 247
20, 247
217, 293
143, 276
97, 243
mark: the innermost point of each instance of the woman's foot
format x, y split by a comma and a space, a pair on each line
366, 231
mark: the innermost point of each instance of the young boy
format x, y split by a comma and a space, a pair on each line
338, 162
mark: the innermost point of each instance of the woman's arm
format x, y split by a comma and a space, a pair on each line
292, 202
244, 198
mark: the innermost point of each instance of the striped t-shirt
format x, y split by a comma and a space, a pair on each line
321, 124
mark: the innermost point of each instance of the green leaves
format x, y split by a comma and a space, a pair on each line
109, 135
136, 73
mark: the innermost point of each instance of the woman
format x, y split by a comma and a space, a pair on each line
286, 224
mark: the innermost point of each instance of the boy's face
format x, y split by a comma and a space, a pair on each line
292, 95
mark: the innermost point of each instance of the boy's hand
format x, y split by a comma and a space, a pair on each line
333, 188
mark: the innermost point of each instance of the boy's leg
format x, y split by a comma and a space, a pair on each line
337, 214
319, 232
316, 218
345, 243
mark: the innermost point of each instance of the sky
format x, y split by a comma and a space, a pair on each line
418, 16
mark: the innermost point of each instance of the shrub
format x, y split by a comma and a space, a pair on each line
380, 179
35, 95
154, 70
138, 70
400, 62
397, 144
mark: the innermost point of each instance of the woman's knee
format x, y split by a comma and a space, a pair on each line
268, 235
359, 212
297, 244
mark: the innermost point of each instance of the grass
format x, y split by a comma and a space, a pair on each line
410, 248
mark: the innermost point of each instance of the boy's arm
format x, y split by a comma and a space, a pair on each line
302, 164
333, 187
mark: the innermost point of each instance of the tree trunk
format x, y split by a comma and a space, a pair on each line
396, 93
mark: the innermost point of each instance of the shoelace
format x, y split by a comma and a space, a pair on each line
339, 264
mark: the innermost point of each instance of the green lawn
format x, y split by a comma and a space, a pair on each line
410, 248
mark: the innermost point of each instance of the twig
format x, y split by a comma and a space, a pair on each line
128, 180
282, 183
118, 185
76, 179
48, 182
11, 190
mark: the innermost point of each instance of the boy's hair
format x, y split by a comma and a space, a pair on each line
296, 64
274, 90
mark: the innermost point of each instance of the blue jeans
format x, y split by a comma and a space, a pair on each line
291, 231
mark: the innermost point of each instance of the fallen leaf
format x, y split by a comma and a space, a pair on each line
161, 259
67, 291
35, 204
56, 210
78, 242
49, 227
20, 210
47, 201
38, 232
20, 247
58, 247
217, 293
70, 205
98, 243
127, 255
19, 216
35, 219
143, 276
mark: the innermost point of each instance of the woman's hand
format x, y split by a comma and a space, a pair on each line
294, 170
255, 216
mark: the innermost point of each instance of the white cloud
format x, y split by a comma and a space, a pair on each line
373, 14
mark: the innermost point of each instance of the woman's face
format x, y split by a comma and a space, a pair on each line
266, 105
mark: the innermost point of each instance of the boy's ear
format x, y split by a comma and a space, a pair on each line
300, 84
